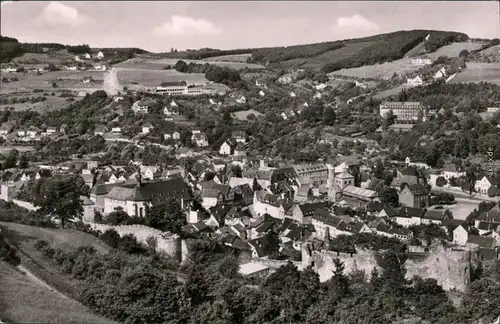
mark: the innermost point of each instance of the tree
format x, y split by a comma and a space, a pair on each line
236, 171
441, 181
60, 198
379, 169
111, 238
463, 53
10, 161
169, 217
181, 66
256, 186
227, 119
117, 217
390, 197
329, 116
493, 191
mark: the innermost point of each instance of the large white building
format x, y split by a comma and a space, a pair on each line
177, 88
408, 111
421, 61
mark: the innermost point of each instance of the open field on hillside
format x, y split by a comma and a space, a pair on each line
329, 57
52, 103
242, 115
384, 70
67, 239
238, 58
477, 72
232, 65
149, 78
63, 79
417, 50
25, 301
454, 49
390, 92
492, 50
145, 62
56, 57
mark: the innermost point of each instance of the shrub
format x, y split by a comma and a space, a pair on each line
7, 252
111, 238
129, 244
41, 244
49, 252
493, 191
441, 181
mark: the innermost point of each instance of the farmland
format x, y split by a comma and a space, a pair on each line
150, 63
384, 70
238, 58
454, 49
56, 57
390, 92
491, 50
145, 77
477, 72
242, 115
417, 50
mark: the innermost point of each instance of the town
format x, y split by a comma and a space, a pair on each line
214, 186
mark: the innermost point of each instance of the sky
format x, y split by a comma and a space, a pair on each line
160, 25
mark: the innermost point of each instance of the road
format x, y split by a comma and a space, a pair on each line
39, 282
463, 196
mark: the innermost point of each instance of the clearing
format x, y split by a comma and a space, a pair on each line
454, 49
129, 77
26, 300
243, 115
55, 57
491, 50
391, 92
237, 58
417, 50
479, 72
160, 64
382, 71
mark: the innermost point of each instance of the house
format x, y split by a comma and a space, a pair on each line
172, 88
116, 130
262, 93
404, 111
140, 107
493, 110
240, 150
254, 270
416, 81
387, 212
199, 139
407, 175
303, 213
21, 133
409, 216
317, 95
273, 205
415, 195
176, 136
100, 67
6, 128
63, 128
241, 100
227, 148
32, 132
87, 56
146, 128
87, 80
421, 61
100, 130
440, 74
88, 209
316, 173
285, 79
320, 86
239, 136
77, 58
51, 130
136, 199
292, 94
482, 186
100, 55
171, 111
452, 171
71, 68
211, 197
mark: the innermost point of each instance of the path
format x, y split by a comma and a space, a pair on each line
458, 193
39, 282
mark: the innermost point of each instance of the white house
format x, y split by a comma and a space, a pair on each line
292, 94
262, 93
100, 67
173, 104
241, 100
71, 68
421, 61
317, 95
460, 235
493, 109
146, 128
306, 104
417, 81
226, 148
284, 116
212, 102
77, 58
176, 136
100, 130
199, 139
440, 74
483, 185
21, 133
87, 56
320, 86
116, 130
139, 107
452, 171
100, 55
170, 112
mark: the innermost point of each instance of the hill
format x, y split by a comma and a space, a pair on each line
12, 48
335, 55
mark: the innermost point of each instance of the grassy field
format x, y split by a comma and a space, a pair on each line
477, 72
149, 78
390, 92
25, 301
242, 115
454, 49
384, 70
237, 58
417, 50
56, 57
63, 79
491, 50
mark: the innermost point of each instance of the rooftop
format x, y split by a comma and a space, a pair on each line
252, 267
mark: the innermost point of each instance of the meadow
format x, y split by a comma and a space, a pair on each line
150, 78
453, 49
383, 71
242, 115
477, 72
236, 58
232, 65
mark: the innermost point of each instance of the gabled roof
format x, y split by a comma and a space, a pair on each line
417, 189
223, 189
391, 212
155, 192
484, 242
409, 212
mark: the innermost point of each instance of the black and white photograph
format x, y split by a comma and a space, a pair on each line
250, 162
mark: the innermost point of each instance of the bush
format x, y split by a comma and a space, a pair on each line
128, 243
441, 181
41, 244
493, 191
111, 238
7, 252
